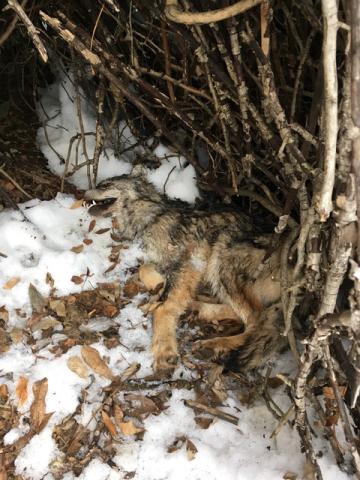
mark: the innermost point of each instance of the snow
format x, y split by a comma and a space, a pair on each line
41, 244
32, 465
58, 112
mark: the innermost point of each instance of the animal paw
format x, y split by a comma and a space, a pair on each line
212, 348
165, 357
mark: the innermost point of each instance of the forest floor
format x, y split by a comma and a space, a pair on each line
78, 397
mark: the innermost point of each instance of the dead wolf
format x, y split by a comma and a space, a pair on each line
190, 247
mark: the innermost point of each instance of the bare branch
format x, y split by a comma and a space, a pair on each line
175, 14
32, 31
330, 11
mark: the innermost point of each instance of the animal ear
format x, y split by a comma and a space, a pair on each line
139, 171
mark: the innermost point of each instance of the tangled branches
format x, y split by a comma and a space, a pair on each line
264, 101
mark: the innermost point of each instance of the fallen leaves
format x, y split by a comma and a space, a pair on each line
11, 283
129, 428
93, 359
77, 280
76, 365
141, 406
38, 415
73, 310
191, 450
92, 225
109, 424
179, 442
21, 390
70, 436
4, 314
58, 306
203, 422
4, 393
126, 428
37, 301
131, 288
77, 204
330, 394
78, 248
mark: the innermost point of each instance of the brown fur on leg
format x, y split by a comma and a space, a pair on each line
150, 277
213, 312
164, 346
250, 349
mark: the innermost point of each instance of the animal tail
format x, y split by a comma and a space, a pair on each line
260, 341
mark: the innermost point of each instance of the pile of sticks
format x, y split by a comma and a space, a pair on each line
263, 99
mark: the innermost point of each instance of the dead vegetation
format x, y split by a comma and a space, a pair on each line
263, 98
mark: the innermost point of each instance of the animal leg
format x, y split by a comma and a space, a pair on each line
213, 312
250, 349
150, 277
164, 345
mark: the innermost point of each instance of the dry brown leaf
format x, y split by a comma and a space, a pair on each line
3, 469
102, 230
59, 307
130, 371
109, 424
87, 241
93, 359
116, 237
141, 405
7, 186
176, 445
203, 422
21, 390
77, 204
77, 248
4, 393
131, 288
77, 366
111, 268
37, 300
118, 414
332, 420
128, 428
49, 280
4, 314
329, 392
110, 310
77, 280
92, 225
16, 335
191, 450
48, 321
289, 476
11, 283
38, 407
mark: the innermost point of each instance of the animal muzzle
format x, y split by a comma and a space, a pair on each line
96, 205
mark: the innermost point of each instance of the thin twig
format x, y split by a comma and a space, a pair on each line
14, 182
32, 31
212, 411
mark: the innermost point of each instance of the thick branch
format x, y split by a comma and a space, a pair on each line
329, 8
175, 14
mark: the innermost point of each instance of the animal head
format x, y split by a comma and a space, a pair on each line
113, 194
129, 198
